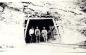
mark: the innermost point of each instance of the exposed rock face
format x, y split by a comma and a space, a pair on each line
67, 14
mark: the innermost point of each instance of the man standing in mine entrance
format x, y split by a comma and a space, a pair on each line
37, 34
44, 34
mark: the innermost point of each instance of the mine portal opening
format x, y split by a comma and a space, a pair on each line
40, 23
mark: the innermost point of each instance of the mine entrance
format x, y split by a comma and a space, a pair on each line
40, 23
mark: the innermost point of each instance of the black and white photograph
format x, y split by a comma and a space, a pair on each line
43, 27
40, 30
